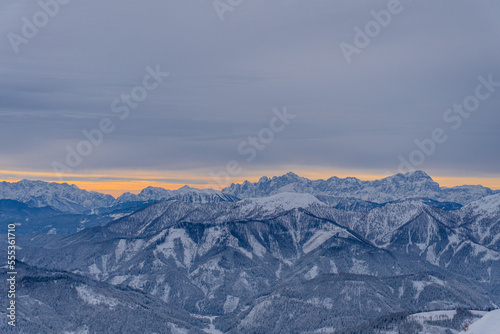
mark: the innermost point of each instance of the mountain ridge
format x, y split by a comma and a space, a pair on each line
70, 198
395, 187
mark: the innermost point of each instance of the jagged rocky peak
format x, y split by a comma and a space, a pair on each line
154, 191
290, 176
128, 197
30, 185
416, 175
415, 184
189, 190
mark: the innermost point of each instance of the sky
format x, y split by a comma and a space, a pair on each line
118, 95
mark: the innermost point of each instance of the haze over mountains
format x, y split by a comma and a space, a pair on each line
282, 255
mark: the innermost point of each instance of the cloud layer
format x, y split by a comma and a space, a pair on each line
226, 77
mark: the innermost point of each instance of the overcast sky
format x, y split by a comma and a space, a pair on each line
226, 76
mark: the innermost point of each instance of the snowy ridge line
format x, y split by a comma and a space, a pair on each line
70, 198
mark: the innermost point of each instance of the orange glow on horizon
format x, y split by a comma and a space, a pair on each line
446, 181
118, 182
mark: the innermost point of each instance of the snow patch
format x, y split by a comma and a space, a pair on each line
488, 206
94, 270
230, 304
93, 298
488, 324
84, 330
116, 216
177, 330
312, 273
359, 267
138, 282
318, 238
333, 268
119, 279
256, 313
258, 249
168, 247
120, 249
166, 293
325, 302
433, 315
233, 242
211, 237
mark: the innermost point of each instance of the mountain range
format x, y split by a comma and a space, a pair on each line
282, 255
71, 199
399, 186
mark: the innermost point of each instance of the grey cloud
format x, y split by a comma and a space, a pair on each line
227, 76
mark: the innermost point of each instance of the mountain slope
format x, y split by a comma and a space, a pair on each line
45, 219
488, 324
32, 220
53, 302
482, 219
259, 259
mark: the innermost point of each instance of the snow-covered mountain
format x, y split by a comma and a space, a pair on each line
185, 193
288, 262
46, 219
488, 324
482, 219
32, 219
399, 186
294, 256
433, 322
55, 302
349, 193
60, 196
71, 199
